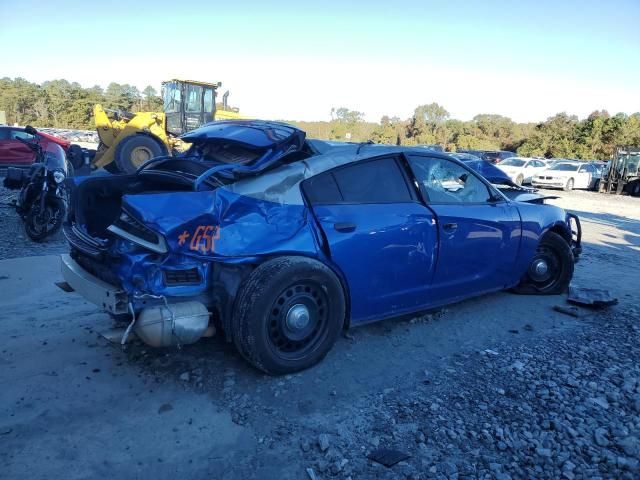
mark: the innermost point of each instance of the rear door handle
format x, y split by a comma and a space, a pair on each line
344, 227
449, 227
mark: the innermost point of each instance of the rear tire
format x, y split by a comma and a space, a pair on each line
569, 186
634, 188
288, 315
134, 151
551, 269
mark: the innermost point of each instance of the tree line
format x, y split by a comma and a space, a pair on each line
63, 104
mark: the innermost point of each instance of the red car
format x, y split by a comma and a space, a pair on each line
14, 153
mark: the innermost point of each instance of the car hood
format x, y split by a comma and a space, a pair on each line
557, 173
490, 172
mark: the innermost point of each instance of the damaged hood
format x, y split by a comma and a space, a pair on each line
490, 172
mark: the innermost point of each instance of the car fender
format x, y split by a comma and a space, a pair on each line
537, 220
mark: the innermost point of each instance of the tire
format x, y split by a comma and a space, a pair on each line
634, 189
75, 156
557, 255
134, 151
263, 323
569, 186
519, 180
37, 227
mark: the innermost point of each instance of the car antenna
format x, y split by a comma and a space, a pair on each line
362, 144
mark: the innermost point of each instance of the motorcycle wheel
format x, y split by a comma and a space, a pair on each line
40, 225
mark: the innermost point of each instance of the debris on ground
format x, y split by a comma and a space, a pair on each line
388, 456
591, 297
572, 311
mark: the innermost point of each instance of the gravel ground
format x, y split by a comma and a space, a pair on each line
497, 387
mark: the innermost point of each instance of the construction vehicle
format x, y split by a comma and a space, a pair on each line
623, 172
128, 140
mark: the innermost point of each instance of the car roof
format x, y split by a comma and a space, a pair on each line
280, 185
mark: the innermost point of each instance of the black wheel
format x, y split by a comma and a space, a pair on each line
519, 180
75, 156
41, 224
634, 189
136, 150
551, 268
288, 315
569, 185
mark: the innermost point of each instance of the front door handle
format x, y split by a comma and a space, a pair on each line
344, 227
450, 227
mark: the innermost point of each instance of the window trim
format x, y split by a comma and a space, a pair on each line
414, 198
493, 192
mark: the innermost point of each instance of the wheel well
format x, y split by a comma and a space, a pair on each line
228, 279
563, 231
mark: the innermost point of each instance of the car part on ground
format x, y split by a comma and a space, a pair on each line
591, 297
128, 140
287, 241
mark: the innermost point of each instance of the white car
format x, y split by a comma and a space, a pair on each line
568, 175
520, 169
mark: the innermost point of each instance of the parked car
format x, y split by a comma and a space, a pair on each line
569, 175
521, 169
14, 153
282, 242
492, 156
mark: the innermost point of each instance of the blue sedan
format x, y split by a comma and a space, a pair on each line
281, 242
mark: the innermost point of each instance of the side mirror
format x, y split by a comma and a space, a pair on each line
30, 130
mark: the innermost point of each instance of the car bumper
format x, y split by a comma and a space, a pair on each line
548, 183
109, 297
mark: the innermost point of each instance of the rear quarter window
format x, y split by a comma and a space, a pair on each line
372, 181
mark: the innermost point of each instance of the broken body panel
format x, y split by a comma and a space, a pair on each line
195, 227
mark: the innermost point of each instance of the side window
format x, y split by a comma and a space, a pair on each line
443, 181
375, 181
322, 189
15, 134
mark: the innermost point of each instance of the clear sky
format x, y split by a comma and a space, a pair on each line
526, 59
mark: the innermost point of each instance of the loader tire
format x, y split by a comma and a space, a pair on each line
76, 156
134, 151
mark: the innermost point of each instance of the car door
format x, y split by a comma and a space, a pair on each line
12, 150
584, 177
379, 234
479, 231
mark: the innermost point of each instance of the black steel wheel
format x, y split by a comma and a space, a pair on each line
288, 314
551, 269
298, 320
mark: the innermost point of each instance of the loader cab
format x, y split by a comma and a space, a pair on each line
188, 105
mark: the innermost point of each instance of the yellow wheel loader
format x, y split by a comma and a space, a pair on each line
127, 140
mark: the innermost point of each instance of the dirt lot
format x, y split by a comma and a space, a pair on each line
499, 387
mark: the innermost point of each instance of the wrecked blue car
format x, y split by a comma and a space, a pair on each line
281, 242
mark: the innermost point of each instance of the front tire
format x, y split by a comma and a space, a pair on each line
551, 268
520, 180
569, 185
288, 315
40, 225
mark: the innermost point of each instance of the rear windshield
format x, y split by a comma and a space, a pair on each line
512, 162
565, 167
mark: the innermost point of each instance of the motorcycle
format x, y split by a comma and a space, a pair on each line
43, 198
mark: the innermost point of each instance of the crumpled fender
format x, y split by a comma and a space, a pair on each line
222, 225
